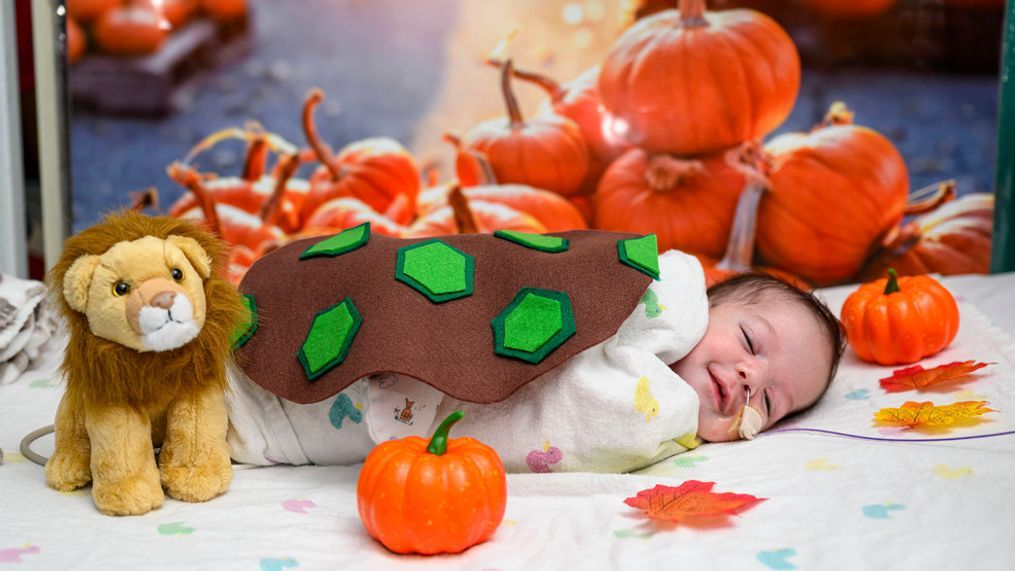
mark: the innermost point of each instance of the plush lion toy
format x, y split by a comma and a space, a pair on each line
150, 320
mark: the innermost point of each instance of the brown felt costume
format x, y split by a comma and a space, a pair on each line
121, 398
448, 345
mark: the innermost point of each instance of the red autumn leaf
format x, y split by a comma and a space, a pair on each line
916, 377
689, 500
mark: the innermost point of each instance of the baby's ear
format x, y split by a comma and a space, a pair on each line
77, 280
194, 252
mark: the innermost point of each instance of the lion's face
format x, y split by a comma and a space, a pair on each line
146, 294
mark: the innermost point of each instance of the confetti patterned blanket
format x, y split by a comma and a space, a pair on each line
831, 502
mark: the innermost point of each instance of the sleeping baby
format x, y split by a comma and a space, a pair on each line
576, 351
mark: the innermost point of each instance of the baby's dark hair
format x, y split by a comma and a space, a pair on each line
751, 287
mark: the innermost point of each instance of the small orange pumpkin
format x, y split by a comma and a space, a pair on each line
465, 216
441, 497
76, 43
86, 12
690, 81
546, 151
897, 321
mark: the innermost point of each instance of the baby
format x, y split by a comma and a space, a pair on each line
678, 369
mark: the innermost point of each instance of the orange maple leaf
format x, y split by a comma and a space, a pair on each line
689, 500
916, 414
916, 377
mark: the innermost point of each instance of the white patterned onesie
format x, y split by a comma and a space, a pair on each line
614, 407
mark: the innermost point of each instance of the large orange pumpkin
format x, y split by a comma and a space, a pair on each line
953, 239
689, 82
438, 497
897, 321
374, 170
86, 12
545, 151
833, 193
687, 204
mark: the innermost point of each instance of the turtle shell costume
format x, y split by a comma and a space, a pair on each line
476, 316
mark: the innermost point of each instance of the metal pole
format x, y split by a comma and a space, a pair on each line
51, 105
1002, 258
13, 249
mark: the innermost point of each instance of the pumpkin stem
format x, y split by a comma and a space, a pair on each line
465, 220
320, 147
552, 87
838, 114
189, 178
257, 156
439, 441
931, 196
472, 168
740, 249
692, 13
516, 121
269, 211
664, 173
893, 282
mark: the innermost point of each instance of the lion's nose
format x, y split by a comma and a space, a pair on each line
163, 299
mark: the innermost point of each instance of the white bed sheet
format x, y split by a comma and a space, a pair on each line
833, 503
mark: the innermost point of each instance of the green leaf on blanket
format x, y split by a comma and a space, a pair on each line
175, 528
652, 307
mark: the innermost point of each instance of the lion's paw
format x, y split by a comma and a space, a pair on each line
66, 472
131, 496
197, 483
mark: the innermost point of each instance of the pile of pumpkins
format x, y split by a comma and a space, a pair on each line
137, 27
663, 137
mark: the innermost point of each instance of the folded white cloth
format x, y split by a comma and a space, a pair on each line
27, 324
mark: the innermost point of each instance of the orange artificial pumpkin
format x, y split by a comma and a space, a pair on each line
339, 214
953, 239
75, 42
441, 497
464, 216
687, 204
86, 12
375, 170
833, 193
689, 82
546, 151
897, 321
130, 31
851, 8
554, 212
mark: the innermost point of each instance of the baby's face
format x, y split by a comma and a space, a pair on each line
775, 346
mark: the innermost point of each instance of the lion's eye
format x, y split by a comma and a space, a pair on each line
120, 288
177, 274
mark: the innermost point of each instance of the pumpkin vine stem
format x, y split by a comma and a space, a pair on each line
187, 177
692, 13
465, 220
893, 282
269, 211
552, 88
320, 147
439, 442
257, 157
516, 121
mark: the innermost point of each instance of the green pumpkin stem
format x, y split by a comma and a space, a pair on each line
439, 441
893, 282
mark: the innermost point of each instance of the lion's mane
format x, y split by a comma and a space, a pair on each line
99, 371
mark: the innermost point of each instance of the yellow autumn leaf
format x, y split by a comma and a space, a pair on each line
915, 414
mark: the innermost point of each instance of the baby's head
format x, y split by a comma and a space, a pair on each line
765, 334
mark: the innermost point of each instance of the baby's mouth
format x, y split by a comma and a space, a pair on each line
721, 398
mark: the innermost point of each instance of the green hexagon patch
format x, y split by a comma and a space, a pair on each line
541, 242
345, 241
533, 325
246, 330
436, 269
641, 254
329, 338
